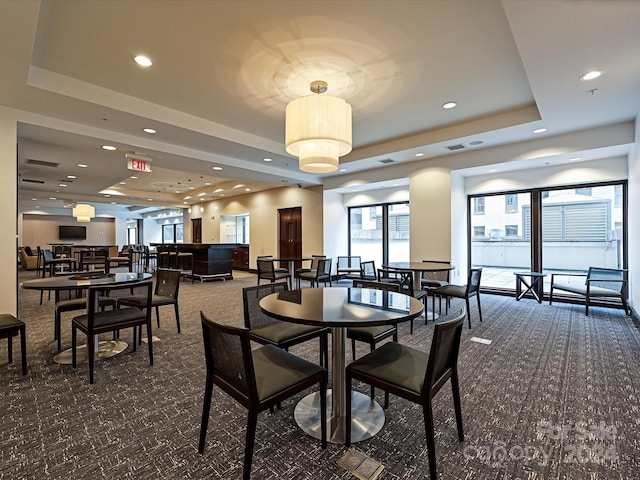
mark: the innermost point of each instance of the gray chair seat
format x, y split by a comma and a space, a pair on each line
276, 370
111, 317
457, 291
366, 334
71, 305
582, 290
283, 332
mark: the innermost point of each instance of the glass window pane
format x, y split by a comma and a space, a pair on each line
398, 230
178, 233
366, 233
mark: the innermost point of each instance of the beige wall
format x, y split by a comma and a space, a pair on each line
8, 213
43, 229
263, 219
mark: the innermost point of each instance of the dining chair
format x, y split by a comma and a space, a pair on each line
321, 274
368, 270
95, 322
10, 326
404, 278
430, 281
268, 271
311, 270
414, 375
257, 379
267, 330
471, 289
165, 293
70, 305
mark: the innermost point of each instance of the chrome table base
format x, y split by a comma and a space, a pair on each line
107, 349
367, 417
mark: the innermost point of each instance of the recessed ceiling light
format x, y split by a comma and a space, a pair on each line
71, 176
575, 159
591, 75
201, 194
185, 203
493, 170
52, 198
240, 185
476, 142
111, 148
217, 168
82, 165
449, 105
343, 169
247, 189
34, 199
143, 61
268, 160
62, 184
418, 154
149, 130
218, 190
107, 195
540, 130
187, 197
207, 183
113, 203
134, 177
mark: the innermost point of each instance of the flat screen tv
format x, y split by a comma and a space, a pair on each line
74, 232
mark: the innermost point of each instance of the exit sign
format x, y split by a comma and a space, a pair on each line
138, 163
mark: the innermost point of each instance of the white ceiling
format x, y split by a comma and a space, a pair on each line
224, 71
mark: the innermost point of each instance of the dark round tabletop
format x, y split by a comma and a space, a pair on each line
82, 280
420, 266
341, 307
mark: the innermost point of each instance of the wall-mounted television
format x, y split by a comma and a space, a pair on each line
72, 232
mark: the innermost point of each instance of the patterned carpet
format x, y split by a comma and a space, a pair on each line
554, 396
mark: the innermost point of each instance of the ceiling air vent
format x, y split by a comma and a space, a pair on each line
459, 146
387, 160
42, 163
31, 180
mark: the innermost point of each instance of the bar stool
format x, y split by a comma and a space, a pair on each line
10, 326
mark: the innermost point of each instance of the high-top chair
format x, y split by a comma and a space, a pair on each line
471, 289
257, 379
267, 330
95, 322
415, 376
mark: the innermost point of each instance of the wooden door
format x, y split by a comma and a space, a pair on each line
290, 233
196, 230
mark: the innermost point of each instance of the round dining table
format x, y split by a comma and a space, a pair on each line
340, 308
78, 281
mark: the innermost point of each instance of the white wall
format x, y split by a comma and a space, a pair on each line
9, 211
43, 230
634, 221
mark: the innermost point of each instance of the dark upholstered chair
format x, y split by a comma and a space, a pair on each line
267, 330
368, 271
599, 283
94, 259
257, 379
165, 293
268, 271
321, 274
95, 322
430, 281
70, 305
311, 270
405, 280
348, 267
10, 326
124, 257
471, 289
415, 376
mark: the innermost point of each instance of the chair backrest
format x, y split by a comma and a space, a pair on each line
387, 286
228, 358
168, 283
404, 279
349, 262
324, 268
441, 276
143, 288
443, 357
368, 270
315, 259
473, 282
47, 255
28, 251
265, 267
251, 296
610, 278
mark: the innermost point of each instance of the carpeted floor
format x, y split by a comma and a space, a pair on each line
554, 396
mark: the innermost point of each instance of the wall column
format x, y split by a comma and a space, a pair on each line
9, 212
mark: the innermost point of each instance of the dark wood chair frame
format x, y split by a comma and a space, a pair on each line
322, 273
441, 366
242, 387
471, 289
10, 326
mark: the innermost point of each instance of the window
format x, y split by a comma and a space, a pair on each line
510, 204
478, 206
617, 201
583, 191
172, 233
479, 231
511, 230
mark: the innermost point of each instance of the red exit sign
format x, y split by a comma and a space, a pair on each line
138, 163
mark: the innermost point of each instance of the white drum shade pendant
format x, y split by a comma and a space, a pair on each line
83, 213
318, 130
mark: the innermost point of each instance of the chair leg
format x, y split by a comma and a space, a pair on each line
353, 349
551, 295
252, 421
57, 329
90, 352
23, 349
431, 443
177, 316
158, 315
150, 342
586, 312
10, 346
455, 390
206, 407
479, 307
468, 311
135, 336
